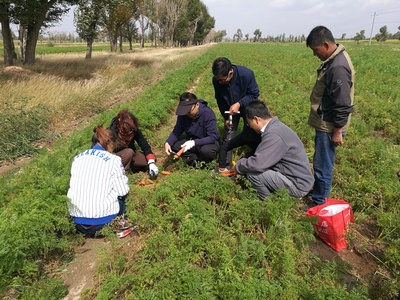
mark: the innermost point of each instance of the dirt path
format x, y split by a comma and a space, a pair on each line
79, 274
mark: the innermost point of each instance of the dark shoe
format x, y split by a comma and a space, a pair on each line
310, 201
307, 202
192, 163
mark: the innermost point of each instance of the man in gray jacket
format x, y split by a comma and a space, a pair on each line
280, 161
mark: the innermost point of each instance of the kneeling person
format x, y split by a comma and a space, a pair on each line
280, 160
195, 129
98, 186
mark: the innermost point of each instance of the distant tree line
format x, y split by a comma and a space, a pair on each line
382, 36
167, 23
238, 36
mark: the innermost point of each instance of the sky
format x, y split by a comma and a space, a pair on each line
295, 17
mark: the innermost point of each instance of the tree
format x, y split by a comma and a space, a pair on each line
155, 24
187, 24
127, 15
194, 15
382, 35
131, 32
397, 34
219, 36
343, 36
116, 16
360, 36
144, 13
32, 17
169, 13
257, 35
8, 43
238, 35
87, 17
204, 26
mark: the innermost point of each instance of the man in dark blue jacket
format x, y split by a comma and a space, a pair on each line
195, 129
235, 88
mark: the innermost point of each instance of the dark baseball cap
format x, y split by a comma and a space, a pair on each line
185, 106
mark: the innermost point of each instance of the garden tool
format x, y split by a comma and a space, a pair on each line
229, 136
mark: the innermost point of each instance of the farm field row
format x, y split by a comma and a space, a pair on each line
201, 235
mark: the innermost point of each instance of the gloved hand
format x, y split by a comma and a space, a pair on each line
188, 145
153, 169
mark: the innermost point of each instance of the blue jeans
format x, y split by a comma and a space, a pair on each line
324, 159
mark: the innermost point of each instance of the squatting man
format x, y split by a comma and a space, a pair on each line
280, 160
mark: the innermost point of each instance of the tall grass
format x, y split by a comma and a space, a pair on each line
64, 89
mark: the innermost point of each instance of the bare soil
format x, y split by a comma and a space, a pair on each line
79, 275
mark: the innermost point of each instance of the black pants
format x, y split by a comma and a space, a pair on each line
248, 137
206, 153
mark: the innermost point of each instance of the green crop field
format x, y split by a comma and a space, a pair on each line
201, 235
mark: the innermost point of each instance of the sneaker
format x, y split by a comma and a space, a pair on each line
192, 163
123, 232
123, 226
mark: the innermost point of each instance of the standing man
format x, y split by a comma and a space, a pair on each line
280, 160
331, 106
235, 87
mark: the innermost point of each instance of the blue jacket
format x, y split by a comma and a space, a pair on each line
242, 88
202, 129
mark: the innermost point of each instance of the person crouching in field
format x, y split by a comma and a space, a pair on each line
126, 132
98, 185
195, 130
280, 160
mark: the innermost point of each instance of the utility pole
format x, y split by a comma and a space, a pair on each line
372, 28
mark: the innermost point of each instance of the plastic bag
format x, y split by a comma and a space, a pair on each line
331, 222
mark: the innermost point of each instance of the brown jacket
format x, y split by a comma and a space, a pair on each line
333, 94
